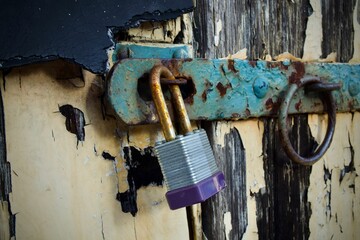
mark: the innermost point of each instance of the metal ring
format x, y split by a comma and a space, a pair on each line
329, 106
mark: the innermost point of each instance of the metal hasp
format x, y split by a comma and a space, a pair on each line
186, 161
221, 89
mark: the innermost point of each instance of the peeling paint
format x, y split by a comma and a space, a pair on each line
75, 121
312, 45
227, 223
143, 170
218, 28
356, 24
335, 201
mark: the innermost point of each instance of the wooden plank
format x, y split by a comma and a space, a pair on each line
222, 28
338, 28
284, 202
229, 207
334, 191
272, 27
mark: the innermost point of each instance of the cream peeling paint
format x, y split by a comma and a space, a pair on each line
313, 40
164, 32
227, 224
218, 28
335, 204
251, 132
4, 220
70, 191
356, 24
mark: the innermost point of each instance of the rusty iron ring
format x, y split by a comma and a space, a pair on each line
329, 106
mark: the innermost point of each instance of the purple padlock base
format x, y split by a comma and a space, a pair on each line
196, 193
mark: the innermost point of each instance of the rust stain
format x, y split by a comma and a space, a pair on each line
235, 115
269, 104
298, 105
231, 66
299, 72
252, 63
273, 106
279, 65
173, 65
222, 89
208, 85
204, 96
351, 105
272, 64
247, 112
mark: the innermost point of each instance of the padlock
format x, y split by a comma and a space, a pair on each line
187, 161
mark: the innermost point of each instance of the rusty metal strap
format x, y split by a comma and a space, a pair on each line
233, 89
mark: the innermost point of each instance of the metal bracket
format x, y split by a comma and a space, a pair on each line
226, 88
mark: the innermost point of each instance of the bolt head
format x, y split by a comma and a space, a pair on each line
260, 87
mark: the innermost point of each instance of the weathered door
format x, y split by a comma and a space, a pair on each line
270, 197
105, 183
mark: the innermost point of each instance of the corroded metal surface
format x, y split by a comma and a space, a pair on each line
328, 101
232, 89
158, 98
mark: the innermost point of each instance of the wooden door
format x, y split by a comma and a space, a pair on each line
268, 196
97, 188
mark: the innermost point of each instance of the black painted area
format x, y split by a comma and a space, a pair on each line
283, 210
107, 156
143, 170
338, 29
5, 172
41, 30
75, 121
231, 160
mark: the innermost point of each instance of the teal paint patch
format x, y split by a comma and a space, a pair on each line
130, 50
231, 89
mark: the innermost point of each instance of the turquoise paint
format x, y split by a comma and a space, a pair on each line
260, 87
236, 89
131, 50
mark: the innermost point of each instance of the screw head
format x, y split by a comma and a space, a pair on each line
260, 87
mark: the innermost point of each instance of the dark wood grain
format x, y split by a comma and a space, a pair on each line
270, 27
283, 210
338, 29
231, 161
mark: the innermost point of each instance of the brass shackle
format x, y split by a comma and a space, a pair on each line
157, 72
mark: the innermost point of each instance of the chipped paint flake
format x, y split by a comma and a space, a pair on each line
333, 182
227, 223
356, 55
218, 28
312, 45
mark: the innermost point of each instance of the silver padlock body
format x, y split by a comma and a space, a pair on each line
187, 160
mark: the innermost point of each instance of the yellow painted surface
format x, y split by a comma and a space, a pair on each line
162, 31
313, 40
356, 57
4, 220
335, 203
60, 191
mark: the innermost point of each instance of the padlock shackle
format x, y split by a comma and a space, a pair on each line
159, 100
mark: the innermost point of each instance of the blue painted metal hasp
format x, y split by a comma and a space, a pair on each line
231, 89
